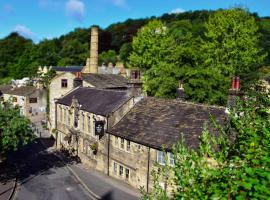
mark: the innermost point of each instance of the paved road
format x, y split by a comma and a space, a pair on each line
43, 176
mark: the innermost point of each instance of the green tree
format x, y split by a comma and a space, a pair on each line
152, 45
26, 65
232, 43
11, 48
229, 47
107, 57
14, 129
124, 52
233, 164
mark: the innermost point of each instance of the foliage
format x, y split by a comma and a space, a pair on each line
231, 43
21, 57
204, 62
124, 52
233, 165
47, 77
11, 49
14, 129
151, 45
107, 57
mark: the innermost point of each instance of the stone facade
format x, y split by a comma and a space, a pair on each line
58, 89
115, 156
30, 103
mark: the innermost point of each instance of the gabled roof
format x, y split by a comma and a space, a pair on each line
108, 81
21, 91
158, 123
97, 101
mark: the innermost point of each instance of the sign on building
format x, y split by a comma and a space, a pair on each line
99, 128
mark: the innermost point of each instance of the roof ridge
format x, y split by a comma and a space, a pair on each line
188, 103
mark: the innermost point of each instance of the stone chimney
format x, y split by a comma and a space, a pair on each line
180, 92
92, 63
78, 82
234, 91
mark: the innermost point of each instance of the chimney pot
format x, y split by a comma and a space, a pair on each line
237, 83
233, 83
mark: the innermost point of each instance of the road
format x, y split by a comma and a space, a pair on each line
43, 176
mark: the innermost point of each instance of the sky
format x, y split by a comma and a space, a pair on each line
46, 19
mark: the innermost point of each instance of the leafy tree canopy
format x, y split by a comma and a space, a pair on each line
14, 129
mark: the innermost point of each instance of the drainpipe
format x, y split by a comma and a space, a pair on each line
56, 132
148, 170
109, 138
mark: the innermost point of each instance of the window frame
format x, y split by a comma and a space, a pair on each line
122, 143
121, 170
115, 167
127, 170
161, 157
128, 145
31, 100
64, 83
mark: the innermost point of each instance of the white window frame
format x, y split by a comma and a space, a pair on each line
115, 167
161, 157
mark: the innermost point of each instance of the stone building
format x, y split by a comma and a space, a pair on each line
83, 117
30, 100
134, 142
64, 83
91, 75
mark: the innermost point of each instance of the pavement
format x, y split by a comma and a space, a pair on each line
44, 173
103, 186
7, 180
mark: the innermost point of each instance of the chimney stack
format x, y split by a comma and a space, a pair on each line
180, 92
94, 50
92, 63
78, 82
234, 92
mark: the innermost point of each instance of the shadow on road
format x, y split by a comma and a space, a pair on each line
32, 160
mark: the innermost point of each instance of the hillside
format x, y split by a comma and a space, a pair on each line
20, 57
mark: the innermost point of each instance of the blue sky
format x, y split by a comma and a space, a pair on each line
40, 19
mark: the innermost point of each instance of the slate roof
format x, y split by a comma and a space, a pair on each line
5, 88
68, 68
21, 91
108, 81
97, 101
157, 123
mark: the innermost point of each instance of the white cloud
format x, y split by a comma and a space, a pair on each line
25, 32
119, 2
75, 9
177, 11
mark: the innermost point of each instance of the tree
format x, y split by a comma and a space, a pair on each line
124, 52
235, 164
232, 43
11, 48
14, 129
152, 45
230, 47
107, 57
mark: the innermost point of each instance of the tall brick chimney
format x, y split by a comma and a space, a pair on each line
92, 63
234, 91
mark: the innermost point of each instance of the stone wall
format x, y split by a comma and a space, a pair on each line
57, 91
